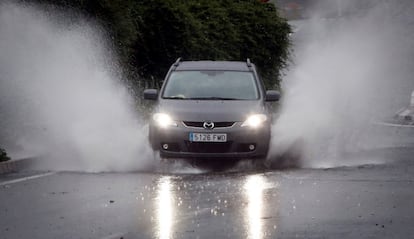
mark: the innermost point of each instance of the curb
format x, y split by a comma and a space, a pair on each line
15, 165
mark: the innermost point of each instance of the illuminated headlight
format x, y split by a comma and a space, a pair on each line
255, 121
163, 120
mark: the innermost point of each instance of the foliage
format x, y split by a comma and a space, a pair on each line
151, 34
213, 30
115, 15
3, 155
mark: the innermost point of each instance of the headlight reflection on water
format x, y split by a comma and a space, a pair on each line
253, 190
165, 208
254, 187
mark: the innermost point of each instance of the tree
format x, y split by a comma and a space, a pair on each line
150, 35
214, 30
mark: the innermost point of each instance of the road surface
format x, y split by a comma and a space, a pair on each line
374, 200
366, 201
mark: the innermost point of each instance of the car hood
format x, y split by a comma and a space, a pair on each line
210, 110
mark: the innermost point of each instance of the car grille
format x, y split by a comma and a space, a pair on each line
200, 124
197, 147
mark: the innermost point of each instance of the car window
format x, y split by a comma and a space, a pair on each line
230, 85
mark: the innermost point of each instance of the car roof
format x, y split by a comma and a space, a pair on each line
213, 65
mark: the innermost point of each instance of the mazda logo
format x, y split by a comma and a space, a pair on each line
208, 125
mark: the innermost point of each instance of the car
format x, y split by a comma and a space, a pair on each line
211, 109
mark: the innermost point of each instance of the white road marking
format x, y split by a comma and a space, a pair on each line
27, 178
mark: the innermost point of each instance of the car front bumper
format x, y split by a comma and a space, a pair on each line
242, 142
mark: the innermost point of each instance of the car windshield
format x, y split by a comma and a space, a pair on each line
211, 85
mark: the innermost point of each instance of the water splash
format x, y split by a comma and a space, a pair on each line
348, 71
62, 96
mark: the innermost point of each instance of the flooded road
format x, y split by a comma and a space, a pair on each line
369, 201
329, 94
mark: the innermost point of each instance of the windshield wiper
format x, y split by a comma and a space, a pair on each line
211, 98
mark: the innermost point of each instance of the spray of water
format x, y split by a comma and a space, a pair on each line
347, 72
61, 94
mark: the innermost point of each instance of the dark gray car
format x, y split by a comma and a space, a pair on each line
211, 109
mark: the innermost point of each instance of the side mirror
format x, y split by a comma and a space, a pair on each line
150, 94
272, 95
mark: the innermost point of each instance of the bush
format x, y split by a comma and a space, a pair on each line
151, 34
3, 155
210, 30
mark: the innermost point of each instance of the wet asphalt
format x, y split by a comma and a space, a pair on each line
365, 201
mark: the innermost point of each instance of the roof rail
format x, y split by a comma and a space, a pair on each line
249, 63
177, 62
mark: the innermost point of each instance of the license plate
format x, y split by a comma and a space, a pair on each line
199, 137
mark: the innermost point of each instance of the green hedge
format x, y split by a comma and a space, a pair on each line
3, 155
151, 34
211, 29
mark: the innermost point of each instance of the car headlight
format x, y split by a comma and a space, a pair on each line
255, 121
163, 120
